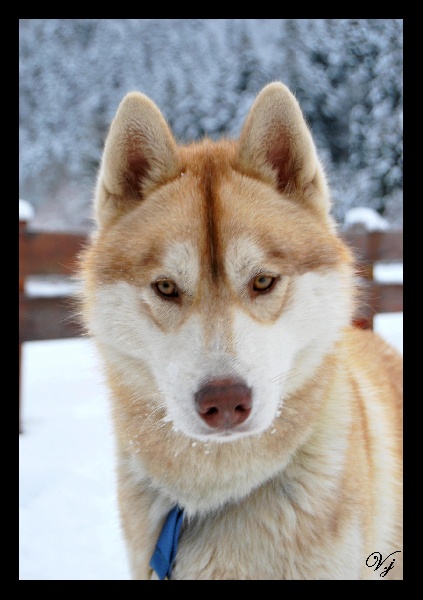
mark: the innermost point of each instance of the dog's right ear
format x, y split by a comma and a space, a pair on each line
139, 153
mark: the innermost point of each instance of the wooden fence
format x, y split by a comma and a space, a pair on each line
52, 317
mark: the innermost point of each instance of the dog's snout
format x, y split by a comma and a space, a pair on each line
224, 403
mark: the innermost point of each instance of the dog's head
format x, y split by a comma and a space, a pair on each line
216, 268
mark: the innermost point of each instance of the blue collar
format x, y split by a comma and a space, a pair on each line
165, 552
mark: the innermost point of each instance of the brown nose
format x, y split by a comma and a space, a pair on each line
224, 403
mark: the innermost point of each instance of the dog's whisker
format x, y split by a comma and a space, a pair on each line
282, 377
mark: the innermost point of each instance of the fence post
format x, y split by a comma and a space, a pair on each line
25, 214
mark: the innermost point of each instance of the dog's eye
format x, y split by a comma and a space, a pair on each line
263, 283
166, 288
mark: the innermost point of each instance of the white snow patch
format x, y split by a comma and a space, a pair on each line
26, 212
366, 217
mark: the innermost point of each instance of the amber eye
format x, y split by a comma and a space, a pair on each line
166, 288
263, 283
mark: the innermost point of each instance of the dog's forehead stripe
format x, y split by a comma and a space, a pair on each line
212, 242
209, 164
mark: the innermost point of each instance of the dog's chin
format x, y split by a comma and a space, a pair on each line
225, 436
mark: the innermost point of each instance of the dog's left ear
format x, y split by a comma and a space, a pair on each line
277, 145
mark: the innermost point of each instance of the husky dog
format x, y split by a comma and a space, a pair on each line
220, 297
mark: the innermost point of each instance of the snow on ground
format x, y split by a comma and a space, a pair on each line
69, 526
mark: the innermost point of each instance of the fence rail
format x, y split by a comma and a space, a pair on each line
45, 253
371, 247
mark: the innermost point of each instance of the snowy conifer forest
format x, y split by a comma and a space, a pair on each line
204, 75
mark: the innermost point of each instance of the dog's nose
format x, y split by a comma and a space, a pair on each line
224, 403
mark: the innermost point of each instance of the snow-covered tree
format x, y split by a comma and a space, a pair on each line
204, 74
